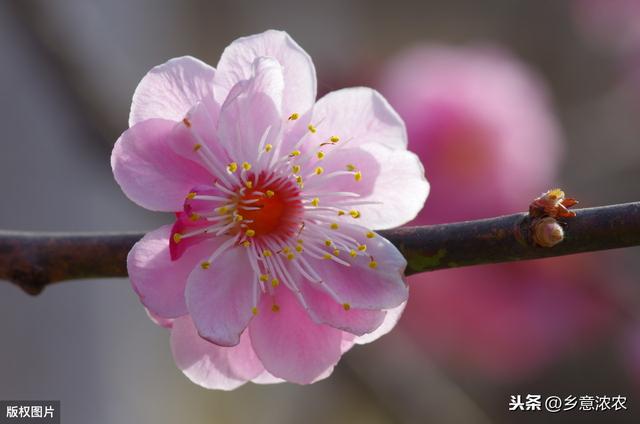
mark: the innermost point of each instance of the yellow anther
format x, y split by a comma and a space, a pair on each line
295, 153
336, 252
286, 250
177, 237
246, 166
291, 256
357, 176
354, 213
186, 122
328, 243
194, 217
246, 243
205, 265
191, 195
270, 193
222, 210
268, 148
340, 213
299, 248
249, 184
351, 167
312, 129
293, 117
346, 306
264, 277
300, 241
238, 218
254, 310
371, 234
353, 253
326, 256
299, 179
334, 226
266, 253
232, 167
373, 264
362, 247
275, 282
197, 147
275, 308
319, 170
334, 139
295, 169
250, 233
320, 155
315, 201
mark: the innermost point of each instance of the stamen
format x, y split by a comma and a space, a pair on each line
293, 116
232, 167
312, 129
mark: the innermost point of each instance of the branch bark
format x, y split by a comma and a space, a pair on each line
34, 260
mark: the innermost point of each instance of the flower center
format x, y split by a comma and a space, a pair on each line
274, 207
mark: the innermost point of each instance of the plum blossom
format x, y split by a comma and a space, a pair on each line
482, 123
272, 269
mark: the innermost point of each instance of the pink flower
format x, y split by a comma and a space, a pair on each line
271, 271
482, 124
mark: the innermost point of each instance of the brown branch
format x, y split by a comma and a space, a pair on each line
34, 260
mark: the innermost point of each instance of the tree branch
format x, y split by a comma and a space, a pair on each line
34, 260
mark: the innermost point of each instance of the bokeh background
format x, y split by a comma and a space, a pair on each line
503, 99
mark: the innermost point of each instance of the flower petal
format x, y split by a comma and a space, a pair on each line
289, 344
169, 90
359, 115
209, 365
158, 280
220, 299
252, 111
374, 280
390, 320
399, 189
149, 172
325, 310
299, 73
267, 378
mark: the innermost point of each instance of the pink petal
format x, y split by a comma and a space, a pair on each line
325, 310
299, 73
267, 378
390, 321
159, 281
158, 320
220, 299
198, 126
169, 90
289, 344
184, 224
209, 365
360, 115
360, 285
399, 190
253, 110
149, 172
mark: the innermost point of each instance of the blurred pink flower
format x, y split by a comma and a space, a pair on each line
270, 271
483, 125
613, 23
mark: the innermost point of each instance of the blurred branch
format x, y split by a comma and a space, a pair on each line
34, 260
